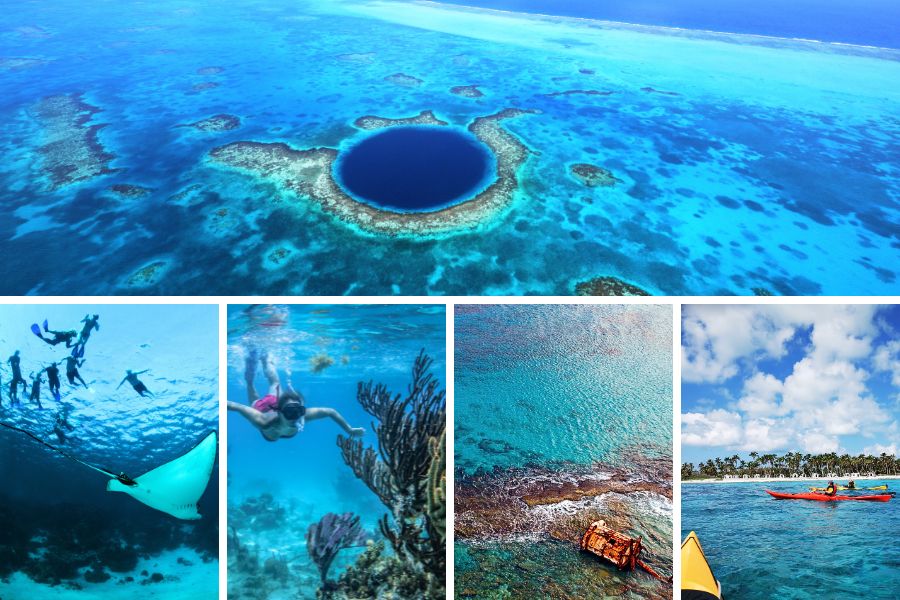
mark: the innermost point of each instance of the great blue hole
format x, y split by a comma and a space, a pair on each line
415, 169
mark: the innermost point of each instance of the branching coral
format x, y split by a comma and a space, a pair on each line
400, 471
437, 487
329, 536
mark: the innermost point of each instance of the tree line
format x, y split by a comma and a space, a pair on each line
773, 465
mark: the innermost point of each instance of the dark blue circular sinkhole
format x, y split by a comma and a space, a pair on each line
415, 169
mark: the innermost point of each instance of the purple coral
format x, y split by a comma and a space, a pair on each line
329, 536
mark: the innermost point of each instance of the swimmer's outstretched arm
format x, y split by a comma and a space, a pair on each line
313, 414
256, 418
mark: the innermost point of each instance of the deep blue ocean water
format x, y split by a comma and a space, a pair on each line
862, 22
55, 502
743, 163
761, 548
414, 168
543, 393
306, 474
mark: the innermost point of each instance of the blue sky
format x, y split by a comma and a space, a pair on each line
774, 379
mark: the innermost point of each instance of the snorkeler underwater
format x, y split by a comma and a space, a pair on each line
336, 461
69, 435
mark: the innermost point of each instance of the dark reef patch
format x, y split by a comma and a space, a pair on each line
128, 190
426, 117
467, 91
593, 176
608, 286
413, 168
309, 173
576, 92
404, 80
72, 151
650, 90
215, 123
204, 85
210, 70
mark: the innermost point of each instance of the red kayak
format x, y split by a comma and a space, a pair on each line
826, 498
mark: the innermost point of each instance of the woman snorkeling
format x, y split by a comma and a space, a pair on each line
282, 412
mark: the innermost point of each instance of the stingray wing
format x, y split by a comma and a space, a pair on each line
175, 487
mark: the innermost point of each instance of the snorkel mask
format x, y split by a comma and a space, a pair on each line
293, 410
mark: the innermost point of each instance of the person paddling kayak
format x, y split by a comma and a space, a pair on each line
851, 485
830, 489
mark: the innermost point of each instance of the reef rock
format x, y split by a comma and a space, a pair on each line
467, 91
404, 80
73, 152
608, 286
216, 123
592, 175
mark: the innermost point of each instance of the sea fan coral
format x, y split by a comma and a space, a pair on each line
329, 536
400, 472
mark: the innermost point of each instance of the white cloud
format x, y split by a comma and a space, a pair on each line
716, 336
764, 435
819, 443
760, 395
715, 428
878, 449
826, 394
887, 358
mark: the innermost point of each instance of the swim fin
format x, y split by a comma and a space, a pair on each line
46, 327
36, 330
56, 395
175, 487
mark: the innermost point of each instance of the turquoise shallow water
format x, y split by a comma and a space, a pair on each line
305, 476
552, 384
547, 396
760, 547
743, 162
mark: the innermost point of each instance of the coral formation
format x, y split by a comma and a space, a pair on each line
426, 117
148, 275
364, 58
72, 151
437, 486
592, 175
329, 536
309, 173
585, 92
507, 501
215, 123
320, 362
129, 191
467, 91
404, 80
258, 513
608, 286
400, 473
650, 90
14, 63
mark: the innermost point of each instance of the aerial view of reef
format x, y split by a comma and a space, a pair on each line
108, 437
563, 451
510, 147
337, 469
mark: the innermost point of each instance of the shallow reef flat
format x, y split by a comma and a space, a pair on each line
737, 165
310, 174
71, 151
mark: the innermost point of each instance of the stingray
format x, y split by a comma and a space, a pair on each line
174, 487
